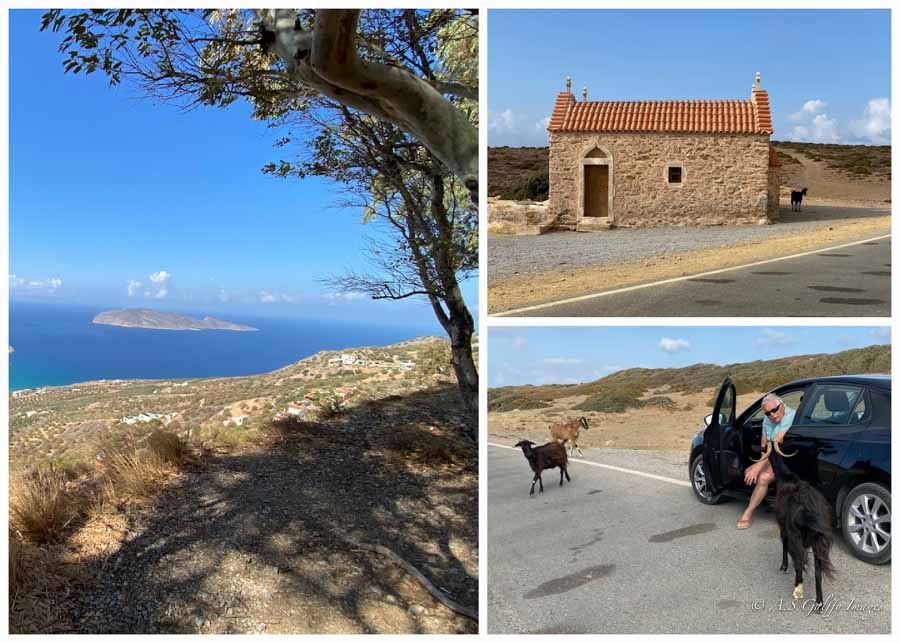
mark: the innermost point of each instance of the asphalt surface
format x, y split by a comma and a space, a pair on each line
511, 256
853, 281
616, 552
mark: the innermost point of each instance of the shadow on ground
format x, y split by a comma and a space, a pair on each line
836, 213
257, 540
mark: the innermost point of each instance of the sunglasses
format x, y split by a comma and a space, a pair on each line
772, 412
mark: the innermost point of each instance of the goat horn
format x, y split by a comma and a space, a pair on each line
782, 454
766, 454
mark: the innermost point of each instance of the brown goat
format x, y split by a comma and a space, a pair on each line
547, 456
569, 432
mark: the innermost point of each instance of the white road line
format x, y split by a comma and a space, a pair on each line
680, 483
673, 280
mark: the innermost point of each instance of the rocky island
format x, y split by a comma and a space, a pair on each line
159, 320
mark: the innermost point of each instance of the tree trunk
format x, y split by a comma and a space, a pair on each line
460, 327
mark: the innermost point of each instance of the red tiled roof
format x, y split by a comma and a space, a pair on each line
713, 116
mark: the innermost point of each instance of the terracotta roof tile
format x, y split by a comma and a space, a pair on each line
714, 116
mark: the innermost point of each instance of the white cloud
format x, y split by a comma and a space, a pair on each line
814, 125
502, 123
50, 285
563, 361
344, 296
772, 337
875, 124
162, 279
268, 297
512, 128
134, 287
810, 107
669, 345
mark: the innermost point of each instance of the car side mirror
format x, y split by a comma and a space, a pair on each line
708, 419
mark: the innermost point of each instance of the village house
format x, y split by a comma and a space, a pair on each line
673, 162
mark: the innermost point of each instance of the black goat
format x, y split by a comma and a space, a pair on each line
797, 197
548, 456
804, 520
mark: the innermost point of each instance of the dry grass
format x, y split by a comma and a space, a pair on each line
37, 578
47, 504
137, 475
42, 504
169, 448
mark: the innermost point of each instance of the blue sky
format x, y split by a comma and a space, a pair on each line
112, 193
568, 355
827, 71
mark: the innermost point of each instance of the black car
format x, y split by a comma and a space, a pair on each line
841, 434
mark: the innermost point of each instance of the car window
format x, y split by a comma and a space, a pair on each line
791, 400
831, 404
860, 412
726, 411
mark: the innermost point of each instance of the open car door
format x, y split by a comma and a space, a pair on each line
722, 449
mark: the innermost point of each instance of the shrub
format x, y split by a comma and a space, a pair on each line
40, 505
134, 475
609, 402
535, 187
168, 448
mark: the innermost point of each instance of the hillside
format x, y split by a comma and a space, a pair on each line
657, 409
247, 504
757, 376
832, 173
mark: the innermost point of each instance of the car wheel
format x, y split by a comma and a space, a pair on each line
698, 483
866, 523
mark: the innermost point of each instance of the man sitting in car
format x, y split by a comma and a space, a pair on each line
776, 423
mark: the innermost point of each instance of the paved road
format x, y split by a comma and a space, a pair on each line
615, 552
853, 281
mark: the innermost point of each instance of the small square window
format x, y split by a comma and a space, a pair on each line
674, 174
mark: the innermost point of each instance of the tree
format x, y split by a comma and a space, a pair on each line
431, 226
390, 97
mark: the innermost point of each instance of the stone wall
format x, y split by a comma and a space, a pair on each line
774, 193
725, 177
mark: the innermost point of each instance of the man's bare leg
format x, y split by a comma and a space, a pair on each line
766, 476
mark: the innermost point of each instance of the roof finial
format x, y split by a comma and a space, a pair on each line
568, 84
757, 81
584, 93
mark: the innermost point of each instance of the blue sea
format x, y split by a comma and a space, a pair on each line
57, 344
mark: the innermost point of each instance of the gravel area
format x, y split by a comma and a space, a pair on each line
511, 255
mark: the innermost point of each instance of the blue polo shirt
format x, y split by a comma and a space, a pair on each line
773, 429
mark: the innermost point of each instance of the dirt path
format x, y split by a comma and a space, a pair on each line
256, 541
516, 291
830, 186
